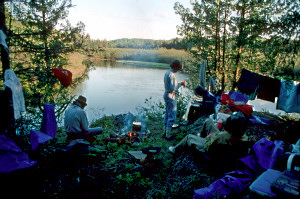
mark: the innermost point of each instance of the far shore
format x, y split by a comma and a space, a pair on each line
77, 67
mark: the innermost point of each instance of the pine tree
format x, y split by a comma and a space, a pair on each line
42, 42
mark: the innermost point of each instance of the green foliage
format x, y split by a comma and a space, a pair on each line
42, 39
160, 55
262, 36
94, 46
134, 179
127, 175
146, 43
105, 122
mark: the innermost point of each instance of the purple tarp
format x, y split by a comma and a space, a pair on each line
259, 120
238, 97
37, 137
49, 124
267, 154
48, 127
12, 157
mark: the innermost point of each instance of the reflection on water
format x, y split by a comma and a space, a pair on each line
120, 88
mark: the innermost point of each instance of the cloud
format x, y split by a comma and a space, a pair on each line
144, 19
162, 15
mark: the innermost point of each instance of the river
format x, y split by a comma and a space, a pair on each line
117, 88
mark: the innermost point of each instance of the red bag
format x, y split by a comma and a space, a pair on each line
246, 109
63, 75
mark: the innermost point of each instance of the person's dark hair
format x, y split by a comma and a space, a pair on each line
199, 90
236, 124
176, 64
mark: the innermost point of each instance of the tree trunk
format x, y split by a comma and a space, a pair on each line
8, 123
224, 68
4, 53
239, 43
217, 42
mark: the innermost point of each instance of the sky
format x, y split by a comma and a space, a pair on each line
116, 19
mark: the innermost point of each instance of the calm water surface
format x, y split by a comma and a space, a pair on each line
121, 88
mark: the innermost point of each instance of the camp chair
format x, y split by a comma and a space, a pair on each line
48, 128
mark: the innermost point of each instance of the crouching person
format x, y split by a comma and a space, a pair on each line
210, 136
76, 124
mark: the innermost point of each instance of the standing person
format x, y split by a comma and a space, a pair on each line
171, 89
76, 123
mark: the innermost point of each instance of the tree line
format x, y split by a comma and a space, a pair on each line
40, 38
262, 36
135, 43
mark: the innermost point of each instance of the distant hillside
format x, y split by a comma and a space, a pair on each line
146, 43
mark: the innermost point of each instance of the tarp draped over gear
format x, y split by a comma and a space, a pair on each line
12, 157
246, 109
267, 155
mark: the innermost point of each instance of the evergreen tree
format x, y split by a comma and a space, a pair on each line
42, 42
249, 27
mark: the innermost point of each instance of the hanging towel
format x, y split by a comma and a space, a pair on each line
202, 74
3, 41
211, 85
63, 75
248, 83
289, 96
12, 82
269, 88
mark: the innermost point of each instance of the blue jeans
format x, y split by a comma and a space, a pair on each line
95, 131
171, 109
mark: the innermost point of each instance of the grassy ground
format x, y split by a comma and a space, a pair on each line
160, 55
105, 169
145, 64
